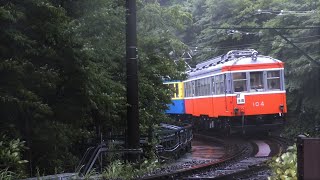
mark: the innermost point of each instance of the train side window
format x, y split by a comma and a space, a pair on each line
222, 84
209, 86
239, 82
186, 89
204, 87
217, 81
193, 87
189, 91
256, 81
197, 87
177, 90
273, 80
203, 84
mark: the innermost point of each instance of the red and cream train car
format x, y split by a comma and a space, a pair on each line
238, 90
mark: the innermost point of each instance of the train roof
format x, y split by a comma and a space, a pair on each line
171, 82
232, 58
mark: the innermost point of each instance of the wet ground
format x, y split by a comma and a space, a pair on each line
202, 151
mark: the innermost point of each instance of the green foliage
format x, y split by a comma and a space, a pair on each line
302, 74
43, 92
7, 175
120, 170
285, 166
12, 165
157, 29
101, 27
63, 73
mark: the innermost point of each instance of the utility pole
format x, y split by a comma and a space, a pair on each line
133, 135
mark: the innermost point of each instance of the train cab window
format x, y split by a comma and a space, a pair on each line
256, 81
273, 80
239, 82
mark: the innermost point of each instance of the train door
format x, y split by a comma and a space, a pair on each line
213, 92
193, 86
225, 85
240, 85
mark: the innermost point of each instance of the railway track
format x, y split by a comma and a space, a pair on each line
243, 159
232, 152
216, 157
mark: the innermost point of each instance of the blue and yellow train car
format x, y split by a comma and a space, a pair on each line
177, 105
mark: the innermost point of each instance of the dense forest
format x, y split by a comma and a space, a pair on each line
62, 66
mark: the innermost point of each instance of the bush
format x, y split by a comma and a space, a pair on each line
12, 166
285, 165
121, 170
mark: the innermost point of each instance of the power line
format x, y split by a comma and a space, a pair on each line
284, 12
197, 48
272, 28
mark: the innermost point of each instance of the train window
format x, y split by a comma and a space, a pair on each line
239, 82
177, 90
221, 91
208, 86
256, 81
204, 91
189, 89
193, 87
186, 89
219, 81
216, 80
273, 80
197, 87
202, 87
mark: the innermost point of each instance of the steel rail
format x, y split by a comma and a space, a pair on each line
184, 172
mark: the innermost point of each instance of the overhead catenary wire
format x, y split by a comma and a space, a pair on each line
285, 12
199, 48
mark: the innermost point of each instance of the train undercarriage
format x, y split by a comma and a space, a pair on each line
235, 124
